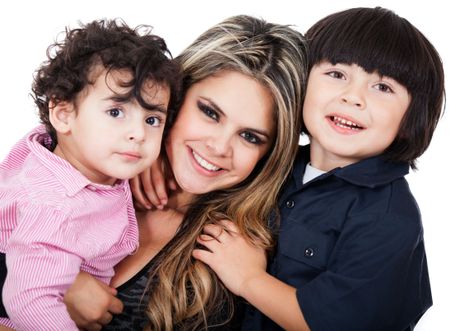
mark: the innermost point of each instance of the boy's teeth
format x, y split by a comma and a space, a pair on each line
346, 124
205, 164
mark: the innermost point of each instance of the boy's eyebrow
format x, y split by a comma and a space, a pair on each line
220, 111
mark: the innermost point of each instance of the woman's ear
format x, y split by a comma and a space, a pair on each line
60, 115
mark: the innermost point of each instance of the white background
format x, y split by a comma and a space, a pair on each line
27, 28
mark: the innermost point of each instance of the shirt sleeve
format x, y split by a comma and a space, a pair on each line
42, 262
376, 278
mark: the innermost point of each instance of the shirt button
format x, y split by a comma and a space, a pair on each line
309, 252
92, 188
290, 204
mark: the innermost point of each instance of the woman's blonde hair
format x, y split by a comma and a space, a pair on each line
183, 292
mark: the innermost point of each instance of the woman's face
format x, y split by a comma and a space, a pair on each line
224, 127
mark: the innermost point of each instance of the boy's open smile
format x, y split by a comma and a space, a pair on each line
344, 125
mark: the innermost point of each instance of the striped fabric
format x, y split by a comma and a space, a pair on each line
54, 223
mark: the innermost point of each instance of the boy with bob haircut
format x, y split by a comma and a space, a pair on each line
104, 97
350, 252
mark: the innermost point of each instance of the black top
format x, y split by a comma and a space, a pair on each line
351, 242
134, 316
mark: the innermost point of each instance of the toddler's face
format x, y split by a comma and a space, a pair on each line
351, 114
110, 138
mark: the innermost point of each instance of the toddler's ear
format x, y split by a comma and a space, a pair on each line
60, 115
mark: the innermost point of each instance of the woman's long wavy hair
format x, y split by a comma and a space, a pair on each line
183, 292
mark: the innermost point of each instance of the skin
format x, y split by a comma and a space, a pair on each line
233, 133
225, 136
106, 139
336, 94
375, 106
341, 94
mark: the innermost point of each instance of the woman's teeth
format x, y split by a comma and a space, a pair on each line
204, 164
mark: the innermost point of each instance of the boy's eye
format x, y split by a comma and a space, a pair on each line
335, 74
153, 121
208, 111
384, 88
251, 138
115, 112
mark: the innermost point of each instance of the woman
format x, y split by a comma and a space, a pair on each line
230, 149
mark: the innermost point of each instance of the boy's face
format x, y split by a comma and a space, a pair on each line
110, 139
351, 114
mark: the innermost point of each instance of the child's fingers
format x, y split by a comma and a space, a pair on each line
229, 226
149, 189
106, 318
138, 193
202, 255
216, 231
209, 242
170, 179
159, 182
172, 183
115, 306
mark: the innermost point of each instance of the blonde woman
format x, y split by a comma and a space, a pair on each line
230, 150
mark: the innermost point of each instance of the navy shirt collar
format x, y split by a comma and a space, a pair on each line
371, 172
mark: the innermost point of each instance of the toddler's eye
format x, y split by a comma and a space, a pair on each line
153, 121
116, 112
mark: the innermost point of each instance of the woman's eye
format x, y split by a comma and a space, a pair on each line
115, 112
153, 121
251, 138
384, 88
335, 74
208, 111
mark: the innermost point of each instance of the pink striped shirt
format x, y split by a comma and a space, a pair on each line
54, 223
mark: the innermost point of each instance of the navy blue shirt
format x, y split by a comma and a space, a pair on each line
351, 242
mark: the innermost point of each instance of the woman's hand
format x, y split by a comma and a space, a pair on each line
150, 187
91, 303
233, 259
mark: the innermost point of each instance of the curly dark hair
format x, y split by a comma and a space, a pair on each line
116, 46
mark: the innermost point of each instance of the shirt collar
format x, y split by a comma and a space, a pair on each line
70, 178
370, 172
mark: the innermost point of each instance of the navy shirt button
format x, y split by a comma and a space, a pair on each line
290, 204
309, 252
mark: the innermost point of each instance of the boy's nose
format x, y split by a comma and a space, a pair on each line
354, 96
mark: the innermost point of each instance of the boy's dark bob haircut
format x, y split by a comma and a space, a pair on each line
115, 46
380, 41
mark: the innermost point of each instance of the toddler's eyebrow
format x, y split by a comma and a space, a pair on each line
147, 106
155, 107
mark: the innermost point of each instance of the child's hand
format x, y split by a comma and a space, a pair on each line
91, 303
233, 259
149, 187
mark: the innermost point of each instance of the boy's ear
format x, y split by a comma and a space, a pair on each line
60, 115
